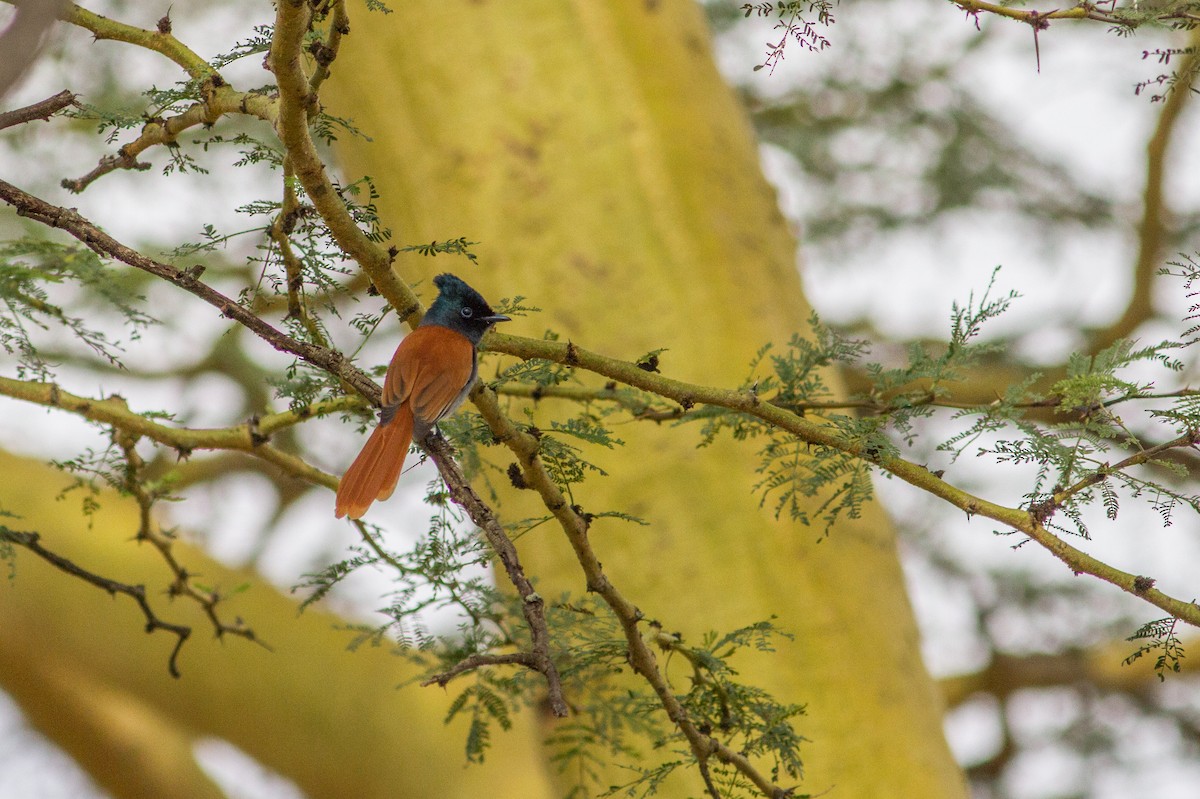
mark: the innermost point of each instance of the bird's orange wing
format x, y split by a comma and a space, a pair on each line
430, 369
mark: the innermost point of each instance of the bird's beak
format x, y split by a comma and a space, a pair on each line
494, 318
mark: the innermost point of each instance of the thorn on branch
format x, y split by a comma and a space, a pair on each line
1039, 22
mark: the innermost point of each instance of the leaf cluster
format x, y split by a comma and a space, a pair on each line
760, 725
617, 717
800, 22
443, 571
1159, 637
30, 270
1074, 453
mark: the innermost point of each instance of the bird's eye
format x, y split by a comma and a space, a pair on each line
467, 313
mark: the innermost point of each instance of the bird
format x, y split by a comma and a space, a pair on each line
430, 375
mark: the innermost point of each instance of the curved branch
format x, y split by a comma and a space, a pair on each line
688, 395
250, 437
575, 526
1152, 230
32, 542
296, 102
219, 100
160, 41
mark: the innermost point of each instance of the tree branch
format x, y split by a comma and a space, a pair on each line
163, 541
41, 110
533, 606
219, 100
1099, 666
31, 542
296, 102
479, 661
325, 52
250, 437
1152, 231
160, 40
1079, 11
689, 395
68, 220
575, 526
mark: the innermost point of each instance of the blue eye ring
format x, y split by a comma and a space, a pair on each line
467, 313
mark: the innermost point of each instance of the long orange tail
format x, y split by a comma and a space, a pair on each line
374, 473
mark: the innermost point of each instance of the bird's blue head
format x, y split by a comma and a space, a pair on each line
461, 308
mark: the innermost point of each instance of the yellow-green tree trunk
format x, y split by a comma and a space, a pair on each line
612, 178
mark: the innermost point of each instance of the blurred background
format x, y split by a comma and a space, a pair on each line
920, 150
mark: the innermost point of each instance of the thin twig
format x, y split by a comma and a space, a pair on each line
219, 100
1152, 230
325, 52
533, 606
479, 661
31, 542
40, 110
183, 585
